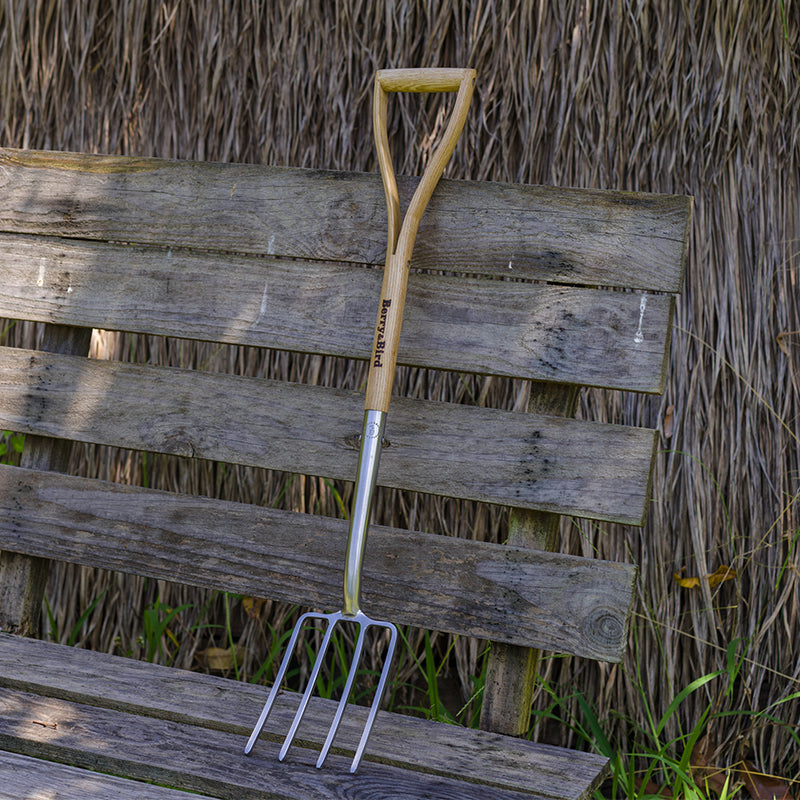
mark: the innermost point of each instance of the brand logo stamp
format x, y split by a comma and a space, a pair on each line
380, 340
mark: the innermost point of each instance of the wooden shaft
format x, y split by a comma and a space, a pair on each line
401, 238
387, 335
379, 111
434, 79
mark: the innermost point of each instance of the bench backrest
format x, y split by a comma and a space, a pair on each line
516, 281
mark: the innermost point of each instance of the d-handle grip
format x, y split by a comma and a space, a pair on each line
401, 237
435, 79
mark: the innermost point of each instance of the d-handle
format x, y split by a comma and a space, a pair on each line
402, 235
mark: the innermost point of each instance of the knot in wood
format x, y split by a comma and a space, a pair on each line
606, 629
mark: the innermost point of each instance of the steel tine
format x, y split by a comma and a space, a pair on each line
264, 714
348, 687
273, 694
287, 742
376, 701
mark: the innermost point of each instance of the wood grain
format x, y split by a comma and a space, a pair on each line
400, 243
555, 333
170, 754
554, 601
440, 448
486, 760
35, 779
283, 258
574, 236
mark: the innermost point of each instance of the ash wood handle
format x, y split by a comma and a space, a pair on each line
401, 236
437, 79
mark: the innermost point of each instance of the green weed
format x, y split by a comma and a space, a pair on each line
4, 332
229, 632
338, 499
277, 645
651, 760
11, 446
155, 622
78, 626
428, 671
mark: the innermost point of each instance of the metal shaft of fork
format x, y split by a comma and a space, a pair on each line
371, 442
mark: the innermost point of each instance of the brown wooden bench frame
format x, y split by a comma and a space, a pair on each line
239, 255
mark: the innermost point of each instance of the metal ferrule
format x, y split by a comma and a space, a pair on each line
371, 438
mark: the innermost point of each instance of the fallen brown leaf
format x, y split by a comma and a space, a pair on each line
650, 789
761, 786
221, 659
706, 772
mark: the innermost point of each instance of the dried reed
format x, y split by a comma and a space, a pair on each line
695, 97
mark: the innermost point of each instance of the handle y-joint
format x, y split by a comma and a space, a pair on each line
401, 236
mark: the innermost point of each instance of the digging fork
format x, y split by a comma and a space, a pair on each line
379, 389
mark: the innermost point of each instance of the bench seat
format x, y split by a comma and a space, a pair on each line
169, 726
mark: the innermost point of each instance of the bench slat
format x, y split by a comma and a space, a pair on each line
542, 332
218, 704
521, 460
35, 779
548, 600
181, 756
568, 236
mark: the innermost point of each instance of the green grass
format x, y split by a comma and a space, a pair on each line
11, 446
657, 755
156, 621
651, 764
77, 628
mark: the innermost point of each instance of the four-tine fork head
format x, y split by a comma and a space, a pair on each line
331, 621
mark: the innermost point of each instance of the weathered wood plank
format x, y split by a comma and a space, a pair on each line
562, 235
180, 756
516, 329
509, 458
554, 601
230, 707
26, 778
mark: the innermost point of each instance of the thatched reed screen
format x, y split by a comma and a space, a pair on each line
686, 97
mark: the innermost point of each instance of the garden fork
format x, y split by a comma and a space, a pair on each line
379, 389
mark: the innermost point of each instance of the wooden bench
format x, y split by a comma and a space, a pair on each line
511, 281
